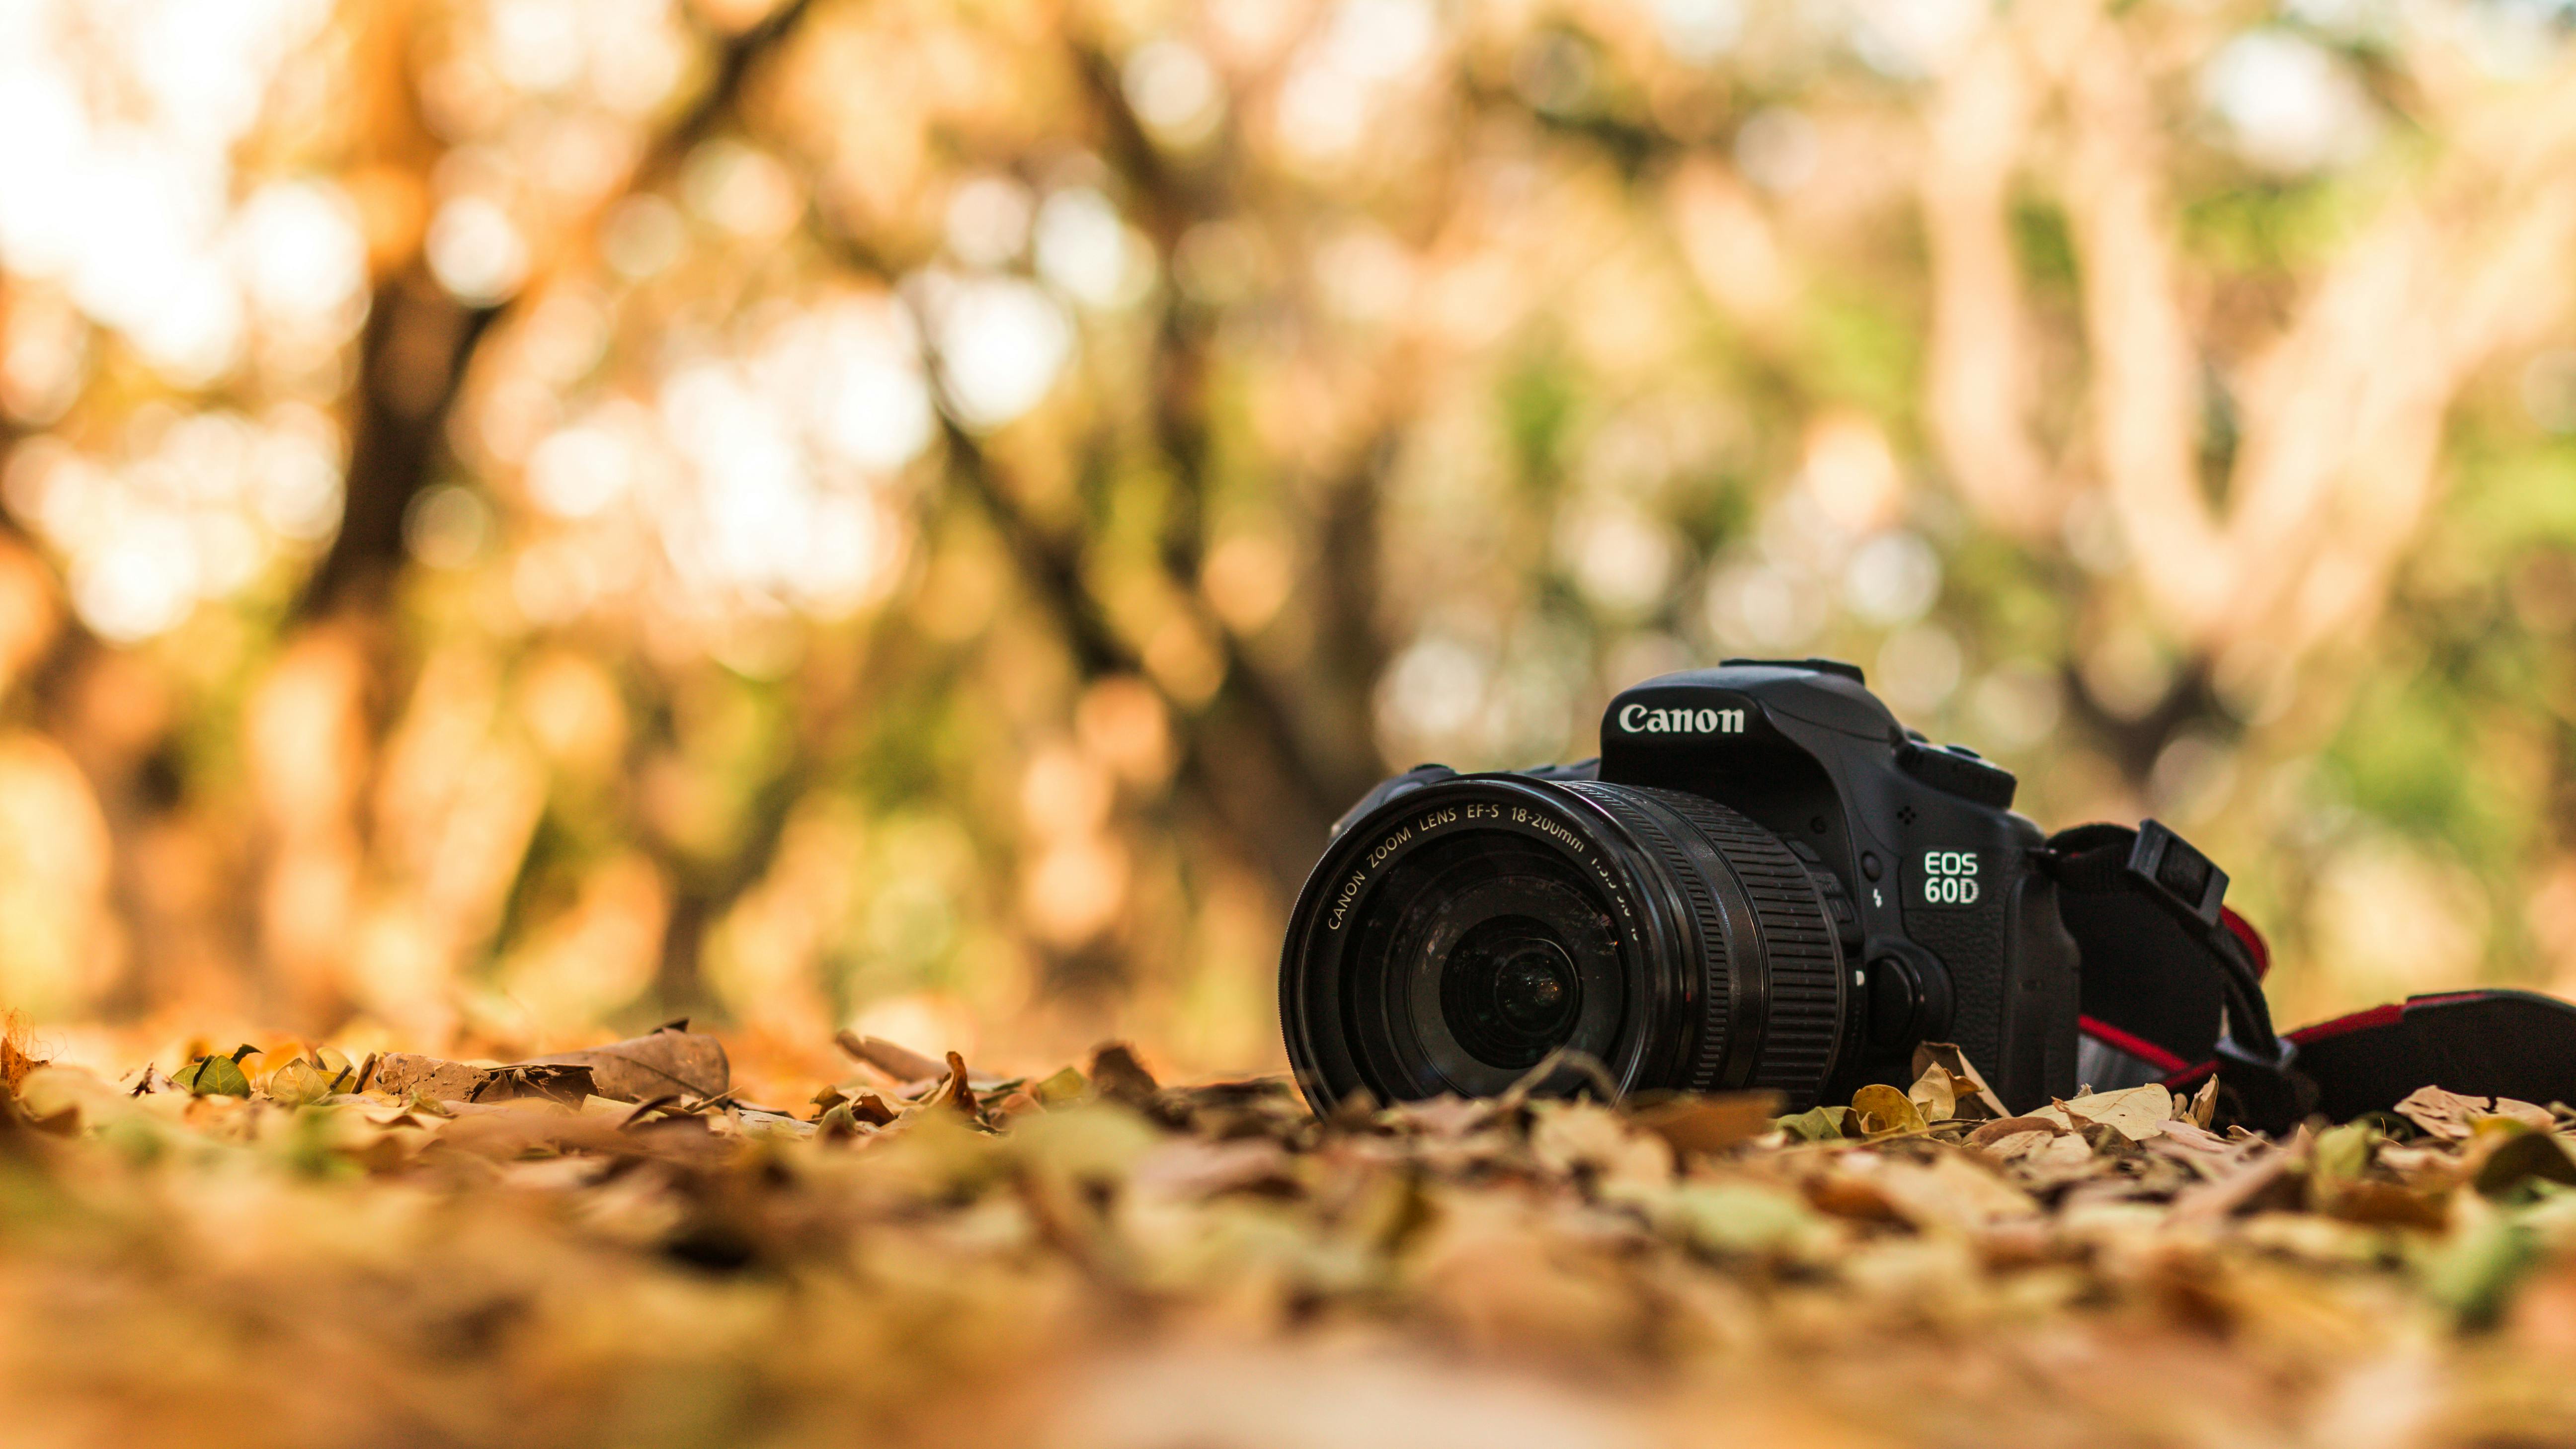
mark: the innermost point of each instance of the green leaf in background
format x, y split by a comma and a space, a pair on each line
298, 1082
213, 1077
1816, 1124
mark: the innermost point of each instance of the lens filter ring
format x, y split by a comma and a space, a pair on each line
1452, 938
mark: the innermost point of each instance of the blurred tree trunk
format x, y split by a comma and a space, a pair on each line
411, 363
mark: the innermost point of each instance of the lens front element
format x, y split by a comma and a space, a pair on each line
1509, 992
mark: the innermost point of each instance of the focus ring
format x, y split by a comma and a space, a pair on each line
1716, 989
1804, 1023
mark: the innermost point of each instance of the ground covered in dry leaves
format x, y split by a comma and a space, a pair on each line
613, 1248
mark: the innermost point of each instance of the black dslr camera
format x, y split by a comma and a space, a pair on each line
1765, 881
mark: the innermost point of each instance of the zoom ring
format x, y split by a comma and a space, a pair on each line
1710, 1052
1803, 1025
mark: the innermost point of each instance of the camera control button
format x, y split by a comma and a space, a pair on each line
1955, 774
1869, 865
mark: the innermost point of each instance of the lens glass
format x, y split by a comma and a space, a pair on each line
1477, 956
1509, 992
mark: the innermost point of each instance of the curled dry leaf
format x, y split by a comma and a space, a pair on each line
1935, 1093
956, 1089
2204, 1103
901, 1063
1880, 1110
2137, 1113
1973, 1098
2003, 1127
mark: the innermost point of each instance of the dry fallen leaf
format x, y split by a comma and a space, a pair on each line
2443, 1114
1710, 1124
659, 1063
2137, 1113
900, 1063
953, 1269
1880, 1110
1973, 1098
1935, 1093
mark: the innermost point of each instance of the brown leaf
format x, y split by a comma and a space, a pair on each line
2198, 1148
901, 1063
1447, 1115
2016, 1146
1846, 1196
554, 1082
405, 1074
1977, 1100
2271, 1177
956, 1091
1695, 1123
2204, 1103
2441, 1113
2137, 1113
2003, 1127
17, 1056
2528, 1114
1184, 1170
668, 1060
2385, 1204
1953, 1189
1117, 1074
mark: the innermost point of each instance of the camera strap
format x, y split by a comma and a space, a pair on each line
2171, 992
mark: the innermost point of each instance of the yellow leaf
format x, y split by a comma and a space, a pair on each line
1882, 1110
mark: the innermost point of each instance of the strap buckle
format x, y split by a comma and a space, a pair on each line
2176, 875
2272, 1095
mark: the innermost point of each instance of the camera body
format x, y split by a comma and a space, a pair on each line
1948, 926
1764, 881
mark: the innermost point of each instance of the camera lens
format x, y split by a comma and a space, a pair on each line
1509, 992
1453, 939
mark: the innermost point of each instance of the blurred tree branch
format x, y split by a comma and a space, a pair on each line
2344, 409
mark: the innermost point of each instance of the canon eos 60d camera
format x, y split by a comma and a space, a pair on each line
1764, 881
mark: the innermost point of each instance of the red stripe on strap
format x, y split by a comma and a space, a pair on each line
2252, 938
2387, 1015
2136, 1046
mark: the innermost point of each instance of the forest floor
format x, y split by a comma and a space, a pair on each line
289, 1248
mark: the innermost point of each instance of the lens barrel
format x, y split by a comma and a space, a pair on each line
1452, 939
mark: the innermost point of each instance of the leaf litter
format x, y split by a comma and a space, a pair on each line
615, 1248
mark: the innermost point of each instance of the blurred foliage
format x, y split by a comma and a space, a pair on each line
535, 514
